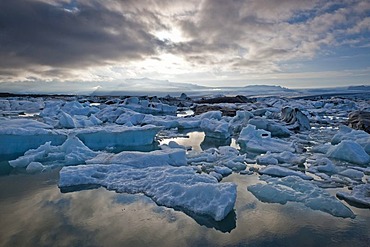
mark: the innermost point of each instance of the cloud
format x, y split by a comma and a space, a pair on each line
87, 40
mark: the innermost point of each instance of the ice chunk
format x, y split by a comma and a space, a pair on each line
131, 117
240, 120
173, 157
349, 151
215, 129
260, 141
144, 106
359, 195
101, 137
359, 136
35, 167
225, 156
279, 171
267, 160
77, 121
352, 173
176, 187
284, 157
274, 128
295, 189
211, 115
19, 135
325, 165
71, 152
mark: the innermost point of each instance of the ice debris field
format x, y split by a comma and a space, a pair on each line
299, 148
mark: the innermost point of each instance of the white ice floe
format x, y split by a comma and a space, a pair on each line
215, 129
266, 160
349, 151
295, 189
278, 171
224, 156
211, 115
359, 136
19, 135
177, 187
172, 156
147, 107
240, 120
274, 128
260, 141
101, 137
284, 157
352, 174
71, 152
325, 165
77, 121
360, 195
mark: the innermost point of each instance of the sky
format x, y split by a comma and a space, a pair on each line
91, 44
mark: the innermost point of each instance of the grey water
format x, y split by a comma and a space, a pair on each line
34, 212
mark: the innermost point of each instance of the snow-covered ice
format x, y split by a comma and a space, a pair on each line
260, 141
177, 187
173, 157
349, 151
71, 152
360, 194
278, 171
295, 189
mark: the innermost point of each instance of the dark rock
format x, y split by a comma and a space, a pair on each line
226, 111
359, 120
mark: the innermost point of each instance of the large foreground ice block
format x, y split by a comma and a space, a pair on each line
260, 141
176, 187
19, 135
98, 138
295, 189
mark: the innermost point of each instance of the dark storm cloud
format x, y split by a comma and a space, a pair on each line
41, 33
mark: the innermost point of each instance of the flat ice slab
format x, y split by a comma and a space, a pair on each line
260, 141
359, 195
176, 187
295, 189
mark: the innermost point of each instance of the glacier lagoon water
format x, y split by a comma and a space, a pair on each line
34, 212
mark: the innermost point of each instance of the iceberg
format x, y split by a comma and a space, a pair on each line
360, 195
176, 187
215, 129
101, 137
295, 189
260, 141
359, 136
71, 152
144, 106
19, 135
349, 151
274, 128
278, 171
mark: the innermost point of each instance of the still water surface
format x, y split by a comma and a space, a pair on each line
34, 212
